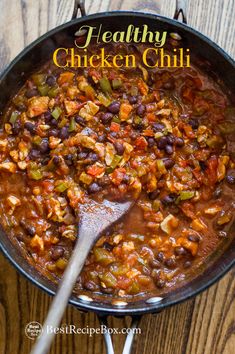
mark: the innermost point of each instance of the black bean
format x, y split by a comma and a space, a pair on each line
169, 85
53, 132
56, 160
82, 155
56, 252
170, 139
187, 264
168, 199
90, 285
44, 146
194, 238
106, 117
180, 251
102, 138
133, 135
69, 159
126, 179
30, 127
16, 128
51, 81
179, 142
230, 179
203, 165
107, 290
194, 123
140, 110
64, 133
169, 149
160, 256
34, 154
150, 82
31, 93
133, 99
153, 195
108, 246
45, 160
160, 283
119, 147
151, 142
93, 188
146, 270
158, 127
168, 162
114, 134
170, 263
162, 142
217, 193
114, 107
80, 120
104, 181
93, 157
154, 263
28, 228
54, 122
47, 116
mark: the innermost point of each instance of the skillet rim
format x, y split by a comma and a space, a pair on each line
96, 306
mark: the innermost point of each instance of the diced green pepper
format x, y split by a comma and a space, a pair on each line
61, 263
134, 288
43, 89
115, 161
85, 178
90, 92
109, 279
13, 117
53, 92
61, 187
137, 120
116, 119
102, 256
185, 195
156, 204
56, 112
105, 85
161, 166
119, 269
39, 79
19, 101
37, 140
35, 174
109, 170
72, 125
116, 83
134, 91
104, 100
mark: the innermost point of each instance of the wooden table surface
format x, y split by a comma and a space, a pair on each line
203, 325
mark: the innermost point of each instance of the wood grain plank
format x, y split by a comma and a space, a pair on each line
203, 325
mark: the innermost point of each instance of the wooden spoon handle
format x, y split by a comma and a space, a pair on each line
59, 303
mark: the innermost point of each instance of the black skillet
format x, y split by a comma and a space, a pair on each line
217, 64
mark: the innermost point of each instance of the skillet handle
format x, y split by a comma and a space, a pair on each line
180, 10
78, 4
129, 338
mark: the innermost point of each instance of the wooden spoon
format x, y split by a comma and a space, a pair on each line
95, 218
